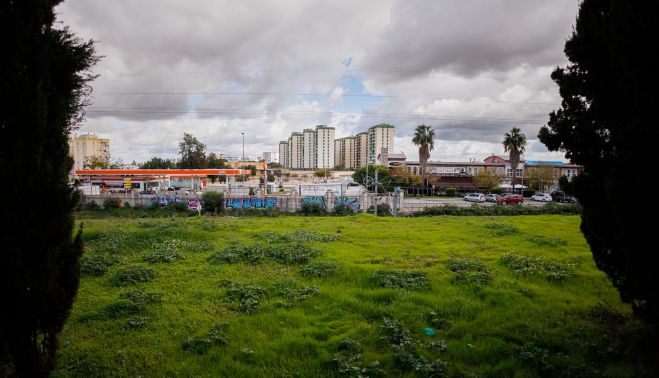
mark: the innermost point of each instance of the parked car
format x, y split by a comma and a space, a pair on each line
171, 189
542, 197
148, 192
494, 198
475, 197
509, 198
559, 196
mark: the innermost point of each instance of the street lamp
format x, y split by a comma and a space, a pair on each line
242, 164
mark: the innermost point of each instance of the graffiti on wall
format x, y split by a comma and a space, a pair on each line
351, 202
318, 200
250, 203
164, 200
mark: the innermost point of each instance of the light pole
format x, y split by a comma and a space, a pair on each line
242, 162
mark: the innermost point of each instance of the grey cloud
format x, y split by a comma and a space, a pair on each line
468, 37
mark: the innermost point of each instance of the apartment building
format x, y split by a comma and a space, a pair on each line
86, 146
324, 147
296, 151
345, 152
361, 149
379, 137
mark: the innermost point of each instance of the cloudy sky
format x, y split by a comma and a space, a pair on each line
471, 69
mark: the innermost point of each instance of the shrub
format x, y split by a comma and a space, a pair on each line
496, 210
141, 298
451, 192
111, 203
407, 357
312, 209
342, 210
290, 254
127, 205
135, 322
415, 280
383, 210
213, 202
132, 275
121, 308
91, 205
95, 265
178, 207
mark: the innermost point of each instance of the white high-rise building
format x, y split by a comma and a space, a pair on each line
379, 137
283, 154
271, 157
296, 151
309, 148
361, 149
324, 147
345, 152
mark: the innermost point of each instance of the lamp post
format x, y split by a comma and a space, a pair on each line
242, 162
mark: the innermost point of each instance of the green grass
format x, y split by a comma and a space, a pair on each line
360, 303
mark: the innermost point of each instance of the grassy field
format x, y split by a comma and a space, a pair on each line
345, 296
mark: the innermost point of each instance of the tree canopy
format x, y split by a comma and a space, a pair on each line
514, 142
44, 86
158, 163
607, 123
424, 137
192, 153
384, 177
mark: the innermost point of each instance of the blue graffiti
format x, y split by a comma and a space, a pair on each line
250, 203
351, 202
318, 200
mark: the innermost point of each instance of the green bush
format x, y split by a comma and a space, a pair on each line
342, 210
91, 205
383, 210
299, 236
111, 203
496, 210
469, 270
213, 202
288, 254
451, 192
312, 209
247, 296
178, 207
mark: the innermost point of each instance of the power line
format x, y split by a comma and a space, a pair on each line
256, 112
298, 94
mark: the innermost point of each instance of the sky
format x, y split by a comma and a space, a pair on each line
218, 68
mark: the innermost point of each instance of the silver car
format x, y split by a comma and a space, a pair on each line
475, 197
542, 197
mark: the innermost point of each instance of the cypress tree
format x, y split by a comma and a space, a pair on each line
44, 81
607, 123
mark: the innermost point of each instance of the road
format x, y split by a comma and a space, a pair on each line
416, 204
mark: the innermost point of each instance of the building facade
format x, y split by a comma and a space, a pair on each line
283, 153
86, 146
324, 147
296, 151
345, 152
379, 137
271, 157
309, 149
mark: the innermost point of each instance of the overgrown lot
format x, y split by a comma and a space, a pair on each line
347, 296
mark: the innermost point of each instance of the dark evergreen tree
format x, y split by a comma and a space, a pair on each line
607, 123
43, 89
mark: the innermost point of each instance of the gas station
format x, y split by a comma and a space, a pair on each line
153, 179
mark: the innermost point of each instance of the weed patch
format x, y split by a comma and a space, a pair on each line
536, 356
201, 344
299, 236
538, 266
544, 241
405, 351
132, 275
499, 229
291, 254
96, 265
414, 280
165, 252
141, 298
112, 241
135, 322
469, 270
319, 269
247, 296
291, 294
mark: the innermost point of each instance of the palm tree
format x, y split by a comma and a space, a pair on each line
424, 137
515, 143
